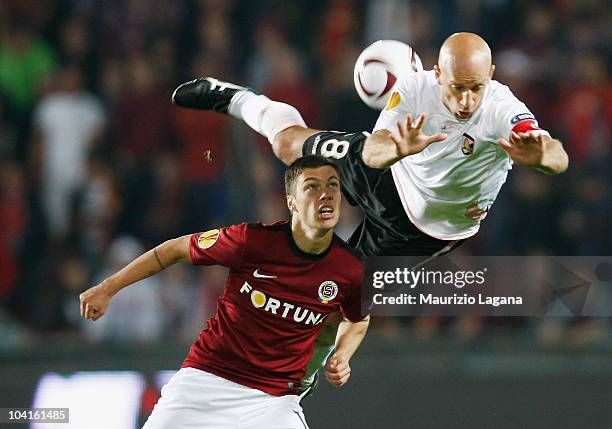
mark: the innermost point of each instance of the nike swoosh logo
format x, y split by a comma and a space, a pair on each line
258, 275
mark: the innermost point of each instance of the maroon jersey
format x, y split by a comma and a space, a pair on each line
274, 304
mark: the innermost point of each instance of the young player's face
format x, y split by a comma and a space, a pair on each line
316, 198
463, 89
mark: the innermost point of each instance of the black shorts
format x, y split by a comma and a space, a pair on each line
386, 229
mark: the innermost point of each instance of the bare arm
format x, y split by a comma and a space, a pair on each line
541, 152
94, 301
350, 335
383, 149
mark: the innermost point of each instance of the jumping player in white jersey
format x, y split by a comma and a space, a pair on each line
254, 361
439, 154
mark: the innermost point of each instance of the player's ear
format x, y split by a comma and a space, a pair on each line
291, 203
491, 71
437, 73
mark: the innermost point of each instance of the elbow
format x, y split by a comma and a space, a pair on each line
178, 249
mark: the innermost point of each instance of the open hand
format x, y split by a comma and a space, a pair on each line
411, 139
525, 148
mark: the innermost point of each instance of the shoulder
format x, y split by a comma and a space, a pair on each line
500, 93
501, 102
265, 231
254, 235
503, 109
410, 91
281, 225
418, 81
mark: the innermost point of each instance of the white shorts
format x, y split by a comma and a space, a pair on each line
195, 399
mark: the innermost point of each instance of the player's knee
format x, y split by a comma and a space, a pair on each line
287, 145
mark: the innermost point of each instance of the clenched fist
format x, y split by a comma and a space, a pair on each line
94, 302
338, 371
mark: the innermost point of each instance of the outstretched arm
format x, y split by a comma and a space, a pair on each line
94, 301
383, 149
350, 335
536, 150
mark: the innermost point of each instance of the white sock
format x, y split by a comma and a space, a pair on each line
265, 116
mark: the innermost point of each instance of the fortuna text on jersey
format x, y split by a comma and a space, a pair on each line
278, 307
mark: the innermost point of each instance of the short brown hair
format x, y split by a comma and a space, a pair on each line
299, 165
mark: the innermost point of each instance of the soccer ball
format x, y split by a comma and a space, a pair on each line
378, 68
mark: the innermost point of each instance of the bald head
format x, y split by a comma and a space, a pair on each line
465, 51
464, 70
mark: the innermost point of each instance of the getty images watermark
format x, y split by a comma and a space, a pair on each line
488, 286
386, 281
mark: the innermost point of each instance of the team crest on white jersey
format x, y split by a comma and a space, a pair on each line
468, 144
327, 291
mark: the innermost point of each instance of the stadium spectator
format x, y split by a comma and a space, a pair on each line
68, 123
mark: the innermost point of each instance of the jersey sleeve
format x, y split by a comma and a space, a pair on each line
351, 306
511, 114
223, 246
401, 102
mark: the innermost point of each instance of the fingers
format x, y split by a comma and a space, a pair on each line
397, 141
436, 138
539, 138
88, 310
338, 371
531, 137
338, 382
476, 213
410, 125
336, 364
82, 304
505, 145
92, 313
338, 377
525, 138
401, 131
419, 122
514, 138
410, 138
408, 121
337, 374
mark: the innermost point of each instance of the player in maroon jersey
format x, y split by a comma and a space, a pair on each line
249, 366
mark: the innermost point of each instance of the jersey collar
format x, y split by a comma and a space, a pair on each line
305, 255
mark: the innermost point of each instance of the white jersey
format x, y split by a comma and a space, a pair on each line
437, 185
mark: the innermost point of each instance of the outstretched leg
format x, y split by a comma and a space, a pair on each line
280, 123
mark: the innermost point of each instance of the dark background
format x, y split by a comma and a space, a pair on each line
96, 166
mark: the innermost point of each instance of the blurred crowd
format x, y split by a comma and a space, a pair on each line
96, 165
